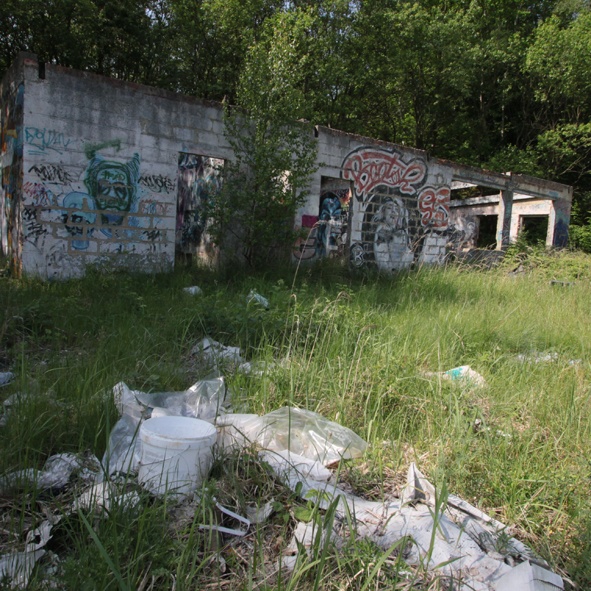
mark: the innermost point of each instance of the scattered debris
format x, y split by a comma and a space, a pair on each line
6, 377
536, 357
101, 497
253, 296
555, 282
257, 514
464, 375
193, 290
449, 535
56, 473
216, 355
297, 430
18, 566
227, 530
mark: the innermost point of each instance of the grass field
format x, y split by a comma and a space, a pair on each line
353, 348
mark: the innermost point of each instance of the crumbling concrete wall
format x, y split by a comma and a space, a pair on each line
395, 199
102, 164
97, 171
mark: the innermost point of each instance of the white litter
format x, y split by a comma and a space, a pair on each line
193, 290
253, 296
463, 375
450, 536
6, 377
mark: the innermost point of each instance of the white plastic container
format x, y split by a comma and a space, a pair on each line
176, 454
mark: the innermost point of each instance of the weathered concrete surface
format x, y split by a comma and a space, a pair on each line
97, 171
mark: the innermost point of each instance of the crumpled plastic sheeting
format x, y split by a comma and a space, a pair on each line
18, 566
302, 432
203, 400
215, 355
102, 496
56, 473
467, 545
6, 377
253, 296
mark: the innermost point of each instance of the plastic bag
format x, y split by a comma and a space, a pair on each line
203, 400
299, 431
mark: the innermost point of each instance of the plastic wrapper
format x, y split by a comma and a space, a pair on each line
6, 377
203, 400
193, 290
253, 296
299, 431
463, 375
216, 355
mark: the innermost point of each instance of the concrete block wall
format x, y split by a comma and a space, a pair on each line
100, 170
399, 210
105, 172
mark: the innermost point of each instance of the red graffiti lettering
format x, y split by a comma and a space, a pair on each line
434, 207
368, 168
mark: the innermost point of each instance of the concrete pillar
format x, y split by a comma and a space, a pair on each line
504, 221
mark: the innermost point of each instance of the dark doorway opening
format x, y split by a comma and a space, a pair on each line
533, 229
487, 231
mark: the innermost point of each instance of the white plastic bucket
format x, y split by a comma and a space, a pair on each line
176, 454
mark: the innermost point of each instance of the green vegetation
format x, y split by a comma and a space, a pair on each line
499, 85
355, 349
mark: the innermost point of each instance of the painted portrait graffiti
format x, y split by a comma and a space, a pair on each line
199, 180
112, 195
402, 219
391, 240
332, 222
113, 186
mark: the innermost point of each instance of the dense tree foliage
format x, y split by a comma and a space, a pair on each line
504, 84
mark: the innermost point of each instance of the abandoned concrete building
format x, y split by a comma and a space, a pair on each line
101, 171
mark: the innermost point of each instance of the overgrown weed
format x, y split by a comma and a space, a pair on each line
355, 348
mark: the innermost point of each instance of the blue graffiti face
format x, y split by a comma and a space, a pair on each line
113, 185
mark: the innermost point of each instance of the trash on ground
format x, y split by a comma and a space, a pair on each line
302, 432
55, 475
203, 400
306, 467
18, 566
449, 535
216, 355
253, 296
6, 377
256, 514
560, 283
256, 368
193, 290
103, 497
303, 539
227, 530
537, 357
176, 454
464, 375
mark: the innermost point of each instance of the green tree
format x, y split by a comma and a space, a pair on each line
275, 155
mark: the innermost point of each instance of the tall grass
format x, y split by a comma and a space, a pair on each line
357, 349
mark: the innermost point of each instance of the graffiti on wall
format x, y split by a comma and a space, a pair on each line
325, 234
403, 220
40, 141
199, 179
11, 161
95, 211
